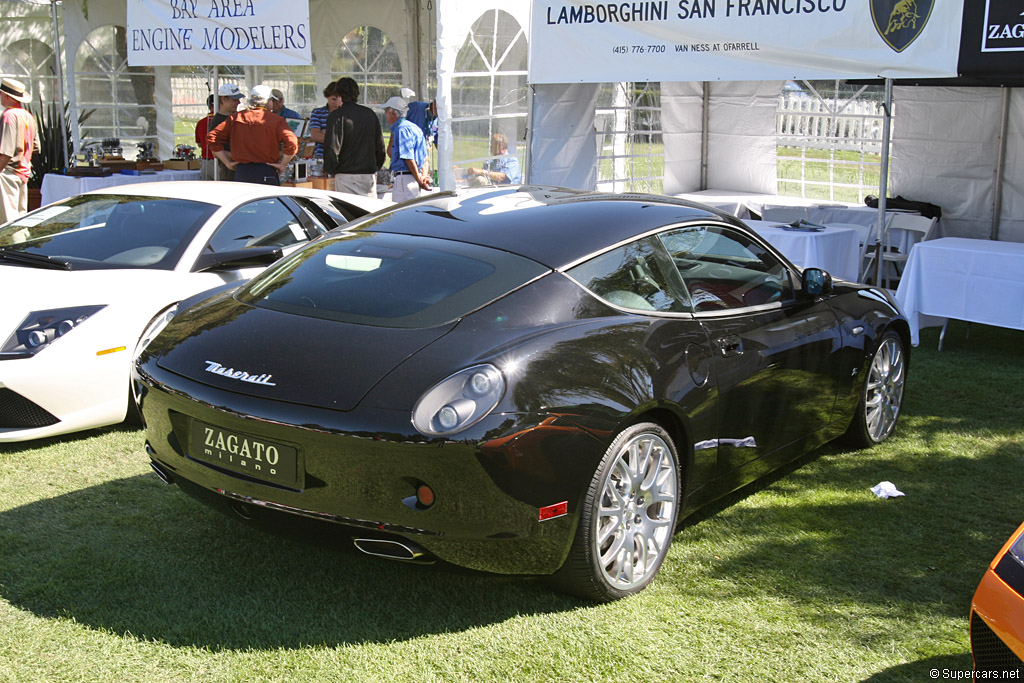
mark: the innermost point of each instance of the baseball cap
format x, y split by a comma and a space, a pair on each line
261, 92
230, 90
277, 95
398, 104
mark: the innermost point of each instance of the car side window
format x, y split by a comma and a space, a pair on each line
723, 268
632, 276
262, 223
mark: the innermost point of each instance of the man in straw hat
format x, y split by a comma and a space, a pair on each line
18, 140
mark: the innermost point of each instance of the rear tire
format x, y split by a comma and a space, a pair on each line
882, 394
628, 517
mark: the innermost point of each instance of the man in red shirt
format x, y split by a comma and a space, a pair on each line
18, 140
261, 142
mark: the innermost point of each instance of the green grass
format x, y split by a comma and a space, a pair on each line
107, 574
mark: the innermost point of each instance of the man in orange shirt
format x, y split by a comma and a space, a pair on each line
18, 140
261, 142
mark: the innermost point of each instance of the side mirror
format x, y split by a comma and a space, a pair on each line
816, 282
237, 258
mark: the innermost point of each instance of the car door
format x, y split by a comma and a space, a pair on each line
276, 222
772, 348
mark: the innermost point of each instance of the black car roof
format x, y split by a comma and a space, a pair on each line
552, 226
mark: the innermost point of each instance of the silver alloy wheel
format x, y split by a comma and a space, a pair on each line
884, 390
636, 511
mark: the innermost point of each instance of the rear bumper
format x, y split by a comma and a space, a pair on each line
361, 469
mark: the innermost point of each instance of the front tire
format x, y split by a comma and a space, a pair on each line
628, 517
882, 395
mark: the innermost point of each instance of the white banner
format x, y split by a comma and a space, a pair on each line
218, 32
743, 40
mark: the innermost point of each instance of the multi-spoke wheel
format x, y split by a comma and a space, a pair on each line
880, 402
628, 517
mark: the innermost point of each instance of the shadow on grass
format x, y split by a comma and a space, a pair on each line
947, 668
134, 556
68, 439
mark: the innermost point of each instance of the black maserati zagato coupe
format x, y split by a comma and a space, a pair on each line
530, 380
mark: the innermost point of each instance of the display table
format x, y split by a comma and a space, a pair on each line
980, 281
834, 249
57, 187
741, 204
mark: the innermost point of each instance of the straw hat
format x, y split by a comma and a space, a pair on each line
15, 89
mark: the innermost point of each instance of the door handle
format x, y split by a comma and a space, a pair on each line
729, 345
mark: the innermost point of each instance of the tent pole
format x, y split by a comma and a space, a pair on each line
216, 110
883, 181
997, 199
60, 84
705, 117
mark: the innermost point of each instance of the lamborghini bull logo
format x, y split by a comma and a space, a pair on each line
904, 14
900, 22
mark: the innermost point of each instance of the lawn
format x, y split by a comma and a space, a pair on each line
107, 574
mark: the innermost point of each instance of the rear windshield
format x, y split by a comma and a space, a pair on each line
389, 280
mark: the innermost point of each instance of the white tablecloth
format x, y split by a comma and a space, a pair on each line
834, 249
57, 187
740, 204
979, 281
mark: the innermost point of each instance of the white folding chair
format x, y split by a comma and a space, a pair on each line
902, 232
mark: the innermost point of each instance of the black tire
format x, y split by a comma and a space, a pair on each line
633, 500
881, 396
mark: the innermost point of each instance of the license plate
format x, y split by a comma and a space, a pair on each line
249, 455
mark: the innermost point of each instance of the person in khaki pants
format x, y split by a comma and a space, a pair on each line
353, 143
18, 140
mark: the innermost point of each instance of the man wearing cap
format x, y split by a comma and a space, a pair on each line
353, 143
228, 98
408, 152
18, 140
261, 142
277, 105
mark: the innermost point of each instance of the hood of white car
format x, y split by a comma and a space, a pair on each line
127, 294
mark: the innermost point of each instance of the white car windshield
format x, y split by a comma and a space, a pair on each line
106, 231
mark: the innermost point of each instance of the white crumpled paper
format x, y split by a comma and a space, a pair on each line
886, 489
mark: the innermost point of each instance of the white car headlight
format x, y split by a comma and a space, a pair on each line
155, 327
459, 401
42, 328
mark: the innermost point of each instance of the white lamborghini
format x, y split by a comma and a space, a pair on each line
82, 281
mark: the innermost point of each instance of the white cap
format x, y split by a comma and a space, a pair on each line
230, 90
408, 93
261, 94
398, 104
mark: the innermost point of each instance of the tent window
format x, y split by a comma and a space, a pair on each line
31, 62
369, 56
829, 140
489, 91
122, 97
631, 153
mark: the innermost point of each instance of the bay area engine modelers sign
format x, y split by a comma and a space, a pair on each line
743, 40
218, 32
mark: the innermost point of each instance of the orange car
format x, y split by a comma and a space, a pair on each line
997, 612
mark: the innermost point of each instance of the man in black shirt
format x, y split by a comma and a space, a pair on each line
353, 143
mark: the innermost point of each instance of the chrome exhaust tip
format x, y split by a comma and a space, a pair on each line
164, 476
404, 551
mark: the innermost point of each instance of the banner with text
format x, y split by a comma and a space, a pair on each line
743, 40
218, 32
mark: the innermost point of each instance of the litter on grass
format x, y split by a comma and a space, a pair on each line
886, 489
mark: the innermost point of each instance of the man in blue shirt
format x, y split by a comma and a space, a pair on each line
502, 170
318, 118
408, 152
277, 105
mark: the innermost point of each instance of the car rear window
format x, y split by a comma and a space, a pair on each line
389, 280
